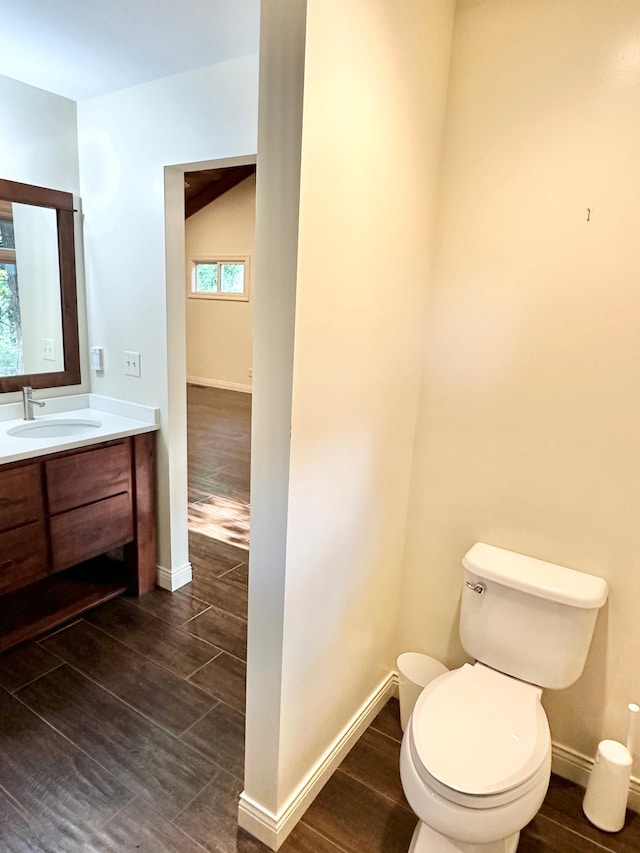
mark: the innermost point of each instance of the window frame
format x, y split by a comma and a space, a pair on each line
194, 260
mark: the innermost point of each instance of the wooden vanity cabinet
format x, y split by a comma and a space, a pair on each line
23, 541
62, 511
20, 495
90, 503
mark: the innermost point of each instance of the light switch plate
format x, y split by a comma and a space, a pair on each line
131, 363
48, 349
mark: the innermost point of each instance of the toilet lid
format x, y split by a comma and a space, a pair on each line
480, 732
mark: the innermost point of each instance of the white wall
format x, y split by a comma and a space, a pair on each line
219, 331
126, 139
374, 94
38, 145
527, 436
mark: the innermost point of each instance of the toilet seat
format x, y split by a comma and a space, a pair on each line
478, 737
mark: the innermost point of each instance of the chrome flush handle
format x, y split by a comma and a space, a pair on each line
475, 587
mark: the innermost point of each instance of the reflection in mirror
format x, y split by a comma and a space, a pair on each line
38, 314
11, 360
30, 320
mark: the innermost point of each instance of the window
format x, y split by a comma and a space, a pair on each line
220, 278
10, 325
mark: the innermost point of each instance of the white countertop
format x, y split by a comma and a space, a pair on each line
117, 418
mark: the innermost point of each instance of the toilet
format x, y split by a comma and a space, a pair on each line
475, 761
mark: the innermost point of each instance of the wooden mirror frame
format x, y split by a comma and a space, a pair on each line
62, 203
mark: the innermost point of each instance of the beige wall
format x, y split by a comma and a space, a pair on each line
374, 94
219, 332
528, 433
375, 83
282, 44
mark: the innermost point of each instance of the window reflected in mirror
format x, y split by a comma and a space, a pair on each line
11, 360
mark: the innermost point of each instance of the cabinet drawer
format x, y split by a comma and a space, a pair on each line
23, 556
81, 534
83, 478
20, 496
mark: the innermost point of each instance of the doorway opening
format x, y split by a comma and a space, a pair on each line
219, 237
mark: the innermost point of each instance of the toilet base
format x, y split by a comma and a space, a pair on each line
427, 840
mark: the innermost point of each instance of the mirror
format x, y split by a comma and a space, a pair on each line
38, 308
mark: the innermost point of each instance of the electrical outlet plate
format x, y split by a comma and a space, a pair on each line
131, 363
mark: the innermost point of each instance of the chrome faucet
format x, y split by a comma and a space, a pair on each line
28, 402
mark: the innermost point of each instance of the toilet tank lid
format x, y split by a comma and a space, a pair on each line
536, 577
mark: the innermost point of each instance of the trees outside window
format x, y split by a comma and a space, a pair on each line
10, 325
220, 279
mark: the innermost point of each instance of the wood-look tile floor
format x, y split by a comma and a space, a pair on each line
124, 731
219, 442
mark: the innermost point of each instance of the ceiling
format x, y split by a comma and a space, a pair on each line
82, 48
206, 185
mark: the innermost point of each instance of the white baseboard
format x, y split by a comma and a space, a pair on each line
172, 580
576, 767
272, 829
218, 383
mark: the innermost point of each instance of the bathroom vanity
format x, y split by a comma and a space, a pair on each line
76, 482
64, 505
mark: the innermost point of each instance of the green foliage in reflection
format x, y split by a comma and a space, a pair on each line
10, 326
7, 240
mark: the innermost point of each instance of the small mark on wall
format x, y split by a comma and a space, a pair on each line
588, 214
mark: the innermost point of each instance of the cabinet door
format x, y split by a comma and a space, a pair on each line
89, 476
83, 533
20, 496
23, 556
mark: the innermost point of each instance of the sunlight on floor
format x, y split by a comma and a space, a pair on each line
222, 519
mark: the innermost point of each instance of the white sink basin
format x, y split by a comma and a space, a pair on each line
57, 428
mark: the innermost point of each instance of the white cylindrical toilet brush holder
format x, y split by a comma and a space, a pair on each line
605, 802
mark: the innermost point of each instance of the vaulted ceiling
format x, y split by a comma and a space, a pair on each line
81, 49
201, 188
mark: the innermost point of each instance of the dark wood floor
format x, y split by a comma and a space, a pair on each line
219, 447
124, 732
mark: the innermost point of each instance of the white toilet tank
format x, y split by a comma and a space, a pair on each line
528, 618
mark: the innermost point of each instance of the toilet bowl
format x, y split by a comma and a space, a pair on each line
475, 762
